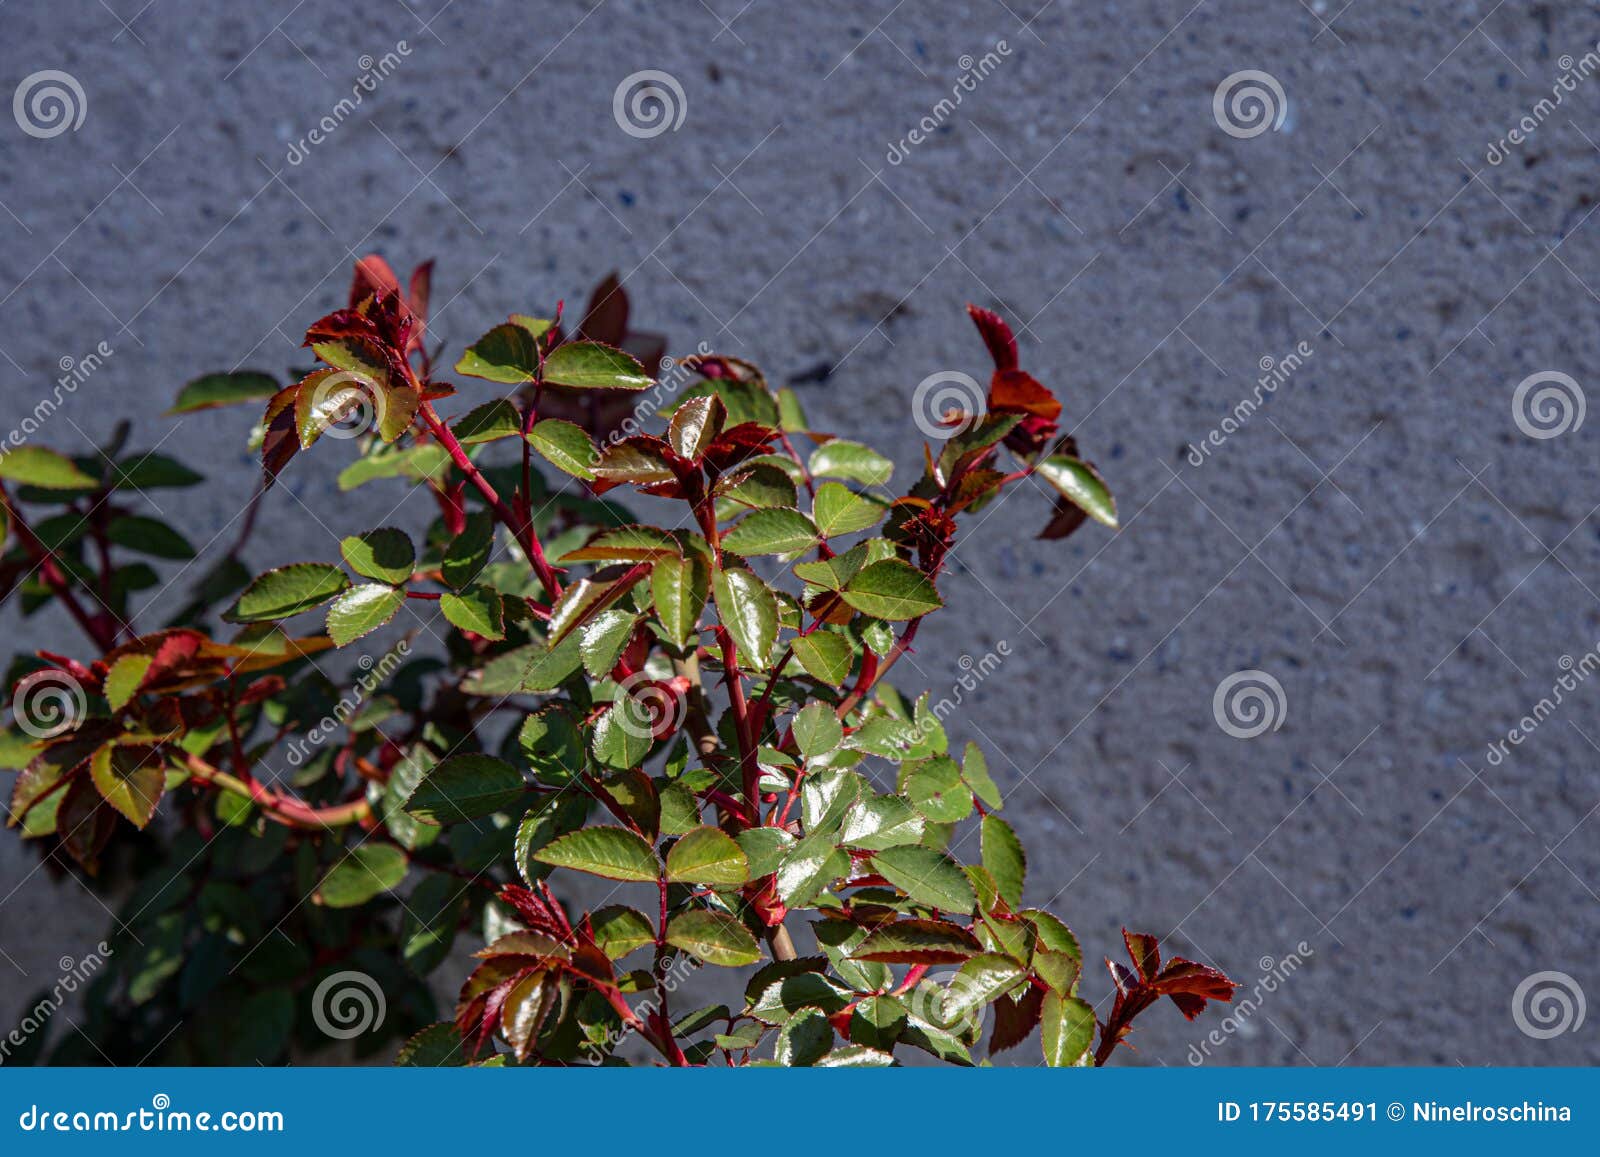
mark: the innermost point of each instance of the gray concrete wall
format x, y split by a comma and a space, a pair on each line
1381, 537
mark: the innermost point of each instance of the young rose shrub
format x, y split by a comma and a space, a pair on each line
694, 712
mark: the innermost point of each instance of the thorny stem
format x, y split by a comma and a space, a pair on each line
864, 686
96, 627
282, 808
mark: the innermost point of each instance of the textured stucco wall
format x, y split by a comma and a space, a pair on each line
1380, 537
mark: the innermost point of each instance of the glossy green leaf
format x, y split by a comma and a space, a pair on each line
839, 510
131, 778
626, 544
565, 446
1080, 484
488, 423
1004, 858
591, 365
770, 532
928, 877
622, 734
549, 740
385, 554
707, 856
808, 866
817, 730
852, 461
149, 536
478, 609
918, 942
749, 611
508, 354
680, 587
464, 787
287, 591
362, 610
615, 853
935, 789
892, 590
603, 638
982, 980
882, 821
619, 930
806, 1037
714, 937
825, 656
1067, 1027
975, 773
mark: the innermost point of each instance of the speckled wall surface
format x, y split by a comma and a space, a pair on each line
1382, 536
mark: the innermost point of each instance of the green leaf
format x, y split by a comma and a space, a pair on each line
928, 877
385, 554
287, 591
416, 462
805, 1039
532, 667
364, 873
124, 677
551, 743
36, 466
808, 866
765, 848
759, 487
212, 390
975, 773
825, 797
879, 822
153, 472
603, 638
680, 587
508, 354
362, 610
918, 942
565, 446
131, 778
590, 365
1081, 485
783, 997
554, 815
619, 930
488, 423
1066, 1029
749, 611
714, 937
464, 787
149, 536
622, 735
615, 853
469, 550
981, 981
478, 609
627, 544
825, 656
851, 460
893, 590
707, 856
1004, 858
433, 912
934, 787
771, 532
695, 425
817, 730
839, 510
631, 462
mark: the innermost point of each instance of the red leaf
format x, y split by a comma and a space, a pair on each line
1145, 952
996, 335
1018, 392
